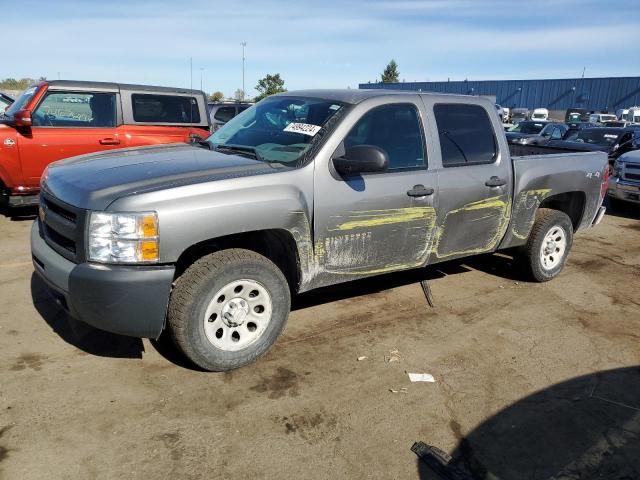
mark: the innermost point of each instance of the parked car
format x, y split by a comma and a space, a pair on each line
523, 130
601, 118
540, 114
501, 114
520, 115
576, 115
633, 115
5, 102
302, 190
551, 131
41, 127
624, 184
621, 114
613, 141
221, 113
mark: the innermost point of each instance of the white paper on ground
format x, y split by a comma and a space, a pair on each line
421, 377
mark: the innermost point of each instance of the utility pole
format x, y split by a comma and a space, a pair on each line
244, 44
201, 74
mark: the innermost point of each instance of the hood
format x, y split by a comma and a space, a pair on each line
94, 181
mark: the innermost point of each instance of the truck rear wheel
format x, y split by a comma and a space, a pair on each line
228, 308
549, 244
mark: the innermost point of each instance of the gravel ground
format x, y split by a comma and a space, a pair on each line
531, 380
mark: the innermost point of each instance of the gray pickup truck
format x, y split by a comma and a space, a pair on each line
303, 190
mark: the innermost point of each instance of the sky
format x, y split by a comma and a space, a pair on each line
316, 44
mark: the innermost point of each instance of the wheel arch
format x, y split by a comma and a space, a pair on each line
571, 203
278, 245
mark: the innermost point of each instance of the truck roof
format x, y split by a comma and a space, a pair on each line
68, 84
357, 96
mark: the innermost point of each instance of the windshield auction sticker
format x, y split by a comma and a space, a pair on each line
303, 128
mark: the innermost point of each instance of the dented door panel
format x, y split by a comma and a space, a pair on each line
472, 217
367, 224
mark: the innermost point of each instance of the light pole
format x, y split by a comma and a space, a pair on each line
244, 44
201, 74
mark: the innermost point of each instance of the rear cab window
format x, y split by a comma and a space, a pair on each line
153, 108
224, 114
466, 134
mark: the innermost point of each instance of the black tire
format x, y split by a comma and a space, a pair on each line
546, 221
194, 291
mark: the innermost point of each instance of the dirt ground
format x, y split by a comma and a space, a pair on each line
532, 380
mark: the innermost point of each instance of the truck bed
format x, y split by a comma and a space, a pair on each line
531, 150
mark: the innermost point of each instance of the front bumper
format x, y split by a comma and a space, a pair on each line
128, 300
624, 190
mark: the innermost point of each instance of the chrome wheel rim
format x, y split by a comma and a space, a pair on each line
237, 315
553, 248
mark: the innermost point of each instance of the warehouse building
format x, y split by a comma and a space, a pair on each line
597, 94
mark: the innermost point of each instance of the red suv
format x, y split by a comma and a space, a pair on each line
59, 119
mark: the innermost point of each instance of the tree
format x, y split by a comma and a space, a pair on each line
269, 85
216, 96
390, 74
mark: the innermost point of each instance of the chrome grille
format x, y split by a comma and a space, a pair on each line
630, 171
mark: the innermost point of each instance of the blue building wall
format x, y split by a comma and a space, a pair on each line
609, 93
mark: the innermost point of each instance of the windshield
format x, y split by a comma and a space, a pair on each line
21, 101
597, 137
527, 127
539, 115
277, 129
608, 118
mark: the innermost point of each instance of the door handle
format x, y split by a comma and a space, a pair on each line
495, 182
109, 141
420, 191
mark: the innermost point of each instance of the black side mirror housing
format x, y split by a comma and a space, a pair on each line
361, 159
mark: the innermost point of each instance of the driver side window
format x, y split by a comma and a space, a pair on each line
69, 109
394, 128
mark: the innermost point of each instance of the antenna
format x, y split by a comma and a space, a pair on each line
190, 88
244, 44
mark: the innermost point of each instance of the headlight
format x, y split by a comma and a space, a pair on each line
522, 140
616, 168
123, 237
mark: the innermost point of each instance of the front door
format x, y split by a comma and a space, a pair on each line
66, 124
474, 197
377, 222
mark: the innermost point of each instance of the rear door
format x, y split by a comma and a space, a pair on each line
474, 179
377, 222
65, 124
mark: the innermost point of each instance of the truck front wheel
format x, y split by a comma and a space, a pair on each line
549, 244
228, 308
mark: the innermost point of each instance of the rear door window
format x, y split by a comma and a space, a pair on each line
466, 135
71, 109
224, 114
149, 108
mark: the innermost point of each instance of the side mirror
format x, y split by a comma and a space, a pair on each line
22, 118
362, 158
